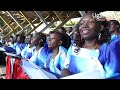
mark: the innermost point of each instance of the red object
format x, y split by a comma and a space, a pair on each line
18, 73
8, 67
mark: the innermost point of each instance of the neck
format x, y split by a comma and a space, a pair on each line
91, 44
55, 52
38, 47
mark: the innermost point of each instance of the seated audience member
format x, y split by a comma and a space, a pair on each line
110, 57
39, 56
27, 52
104, 35
62, 30
57, 43
83, 56
106, 59
113, 27
19, 45
10, 42
75, 37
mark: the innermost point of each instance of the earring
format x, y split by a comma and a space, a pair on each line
99, 36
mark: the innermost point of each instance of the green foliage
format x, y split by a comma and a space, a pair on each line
69, 23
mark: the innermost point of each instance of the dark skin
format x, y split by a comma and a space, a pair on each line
88, 30
113, 28
35, 41
53, 43
75, 33
20, 39
28, 39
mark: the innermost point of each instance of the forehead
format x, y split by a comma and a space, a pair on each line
54, 35
88, 17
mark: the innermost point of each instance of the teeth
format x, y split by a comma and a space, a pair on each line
85, 31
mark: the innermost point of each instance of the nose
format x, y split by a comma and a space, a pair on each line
85, 24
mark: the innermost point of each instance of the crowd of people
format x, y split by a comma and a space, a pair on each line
88, 45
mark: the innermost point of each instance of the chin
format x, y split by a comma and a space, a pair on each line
85, 37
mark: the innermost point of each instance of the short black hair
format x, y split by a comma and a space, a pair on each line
41, 36
66, 41
115, 22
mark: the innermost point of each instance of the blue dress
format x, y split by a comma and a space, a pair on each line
37, 58
18, 47
28, 51
57, 64
113, 37
40, 57
110, 57
83, 61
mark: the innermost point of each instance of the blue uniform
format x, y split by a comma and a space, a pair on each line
84, 60
57, 64
40, 57
28, 51
18, 47
110, 56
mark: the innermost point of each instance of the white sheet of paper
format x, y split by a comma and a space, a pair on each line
49, 75
93, 74
11, 54
34, 72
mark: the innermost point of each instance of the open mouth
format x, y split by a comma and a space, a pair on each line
85, 31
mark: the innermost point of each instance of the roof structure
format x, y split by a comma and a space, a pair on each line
28, 21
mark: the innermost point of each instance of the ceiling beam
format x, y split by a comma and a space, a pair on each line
58, 15
36, 26
5, 21
55, 19
15, 19
39, 14
29, 21
82, 13
67, 19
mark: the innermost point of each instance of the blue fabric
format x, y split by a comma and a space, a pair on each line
110, 57
10, 49
35, 60
25, 51
28, 51
113, 37
39, 58
72, 39
46, 50
57, 64
18, 47
82, 61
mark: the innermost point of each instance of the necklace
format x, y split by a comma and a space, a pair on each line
88, 47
